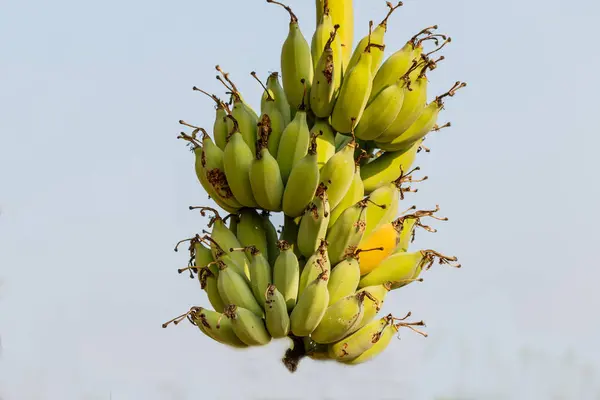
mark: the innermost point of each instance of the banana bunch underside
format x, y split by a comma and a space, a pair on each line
331, 151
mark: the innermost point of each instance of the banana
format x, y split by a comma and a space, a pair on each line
294, 142
265, 175
342, 13
338, 173
347, 232
404, 230
344, 279
422, 125
321, 35
403, 268
296, 63
323, 90
220, 129
208, 283
340, 319
212, 324
237, 158
386, 238
325, 141
249, 328
289, 233
272, 237
354, 92
387, 167
362, 340
315, 350
234, 220
302, 183
277, 318
286, 274
315, 265
278, 121
372, 307
251, 231
276, 91
377, 36
355, 193
235, 290
314, 222
311, 306
261, 275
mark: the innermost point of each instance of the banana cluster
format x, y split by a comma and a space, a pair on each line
333, 149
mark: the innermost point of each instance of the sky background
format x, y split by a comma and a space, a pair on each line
94, 190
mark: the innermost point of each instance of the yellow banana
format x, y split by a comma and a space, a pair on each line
286, 274
386, 238
340, 319
314, 222
347, 232
212, 324
302, 183
323, 90
235, 290
249, 328
354, 93
314, 266
325, 141
278, 121
276, 91
377, 36
422, 125
265, 175
343, 279
272, 237
342, 14
362, 340
220, 129
338, 173
277, 318
311, 307
403, 268
296, 63
355, 193
251, 231
261, 275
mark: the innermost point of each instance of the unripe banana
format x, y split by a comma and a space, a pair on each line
325, 141
315, 266
249, 328
345, 235
251, 231
212, 324
377, 36
277, 318
220, 129
314, 222
272, 237
294, 143
296, 63
270, 107
233, 223
311, 306
338, 173
340, 319
265, 176
342, 13
423, 125
315, 350
355, 193
276, 91
235, 290
209, 283
261, 275
344, 279
286, 274
387, 168
289, 233
403, 268
302, 183
374, 302
362, 340
323, 90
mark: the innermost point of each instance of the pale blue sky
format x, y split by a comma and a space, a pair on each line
94, 190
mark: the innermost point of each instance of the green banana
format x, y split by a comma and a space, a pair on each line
220, 129
315, 265
208, 283
235, 290
212, 324
270, 107
347, 232
251, 231
296, 63
403, 268
372, 307
249, 328
272, 237
323, 90
340, 319
294, 142
325, 141
302, 183
342, 13
355, 193
315, 350
261, 275
277, 318
422, 125
338, 173
234, 220
289, 233
276, 91
344, 279
286, 274
311, 306
377, 36
314, 222
265, 175
407, 224
362, 340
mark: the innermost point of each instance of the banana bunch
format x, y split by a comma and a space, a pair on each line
331, 151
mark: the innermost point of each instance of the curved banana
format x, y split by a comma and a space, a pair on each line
314, 222
277, 318
272, 237
311, 306
265, 175
338, 173
347, 232
235, 290
322, 92
261, 275
343, 279
251, 231
325, 141
220, 129
249, 328
302, 183
385, 238
315, 266
342, 14
340, 319
276, 91
277, 120
355, 193
374, 302
286, 274
208, 283
289, 233
296, 63
362, 340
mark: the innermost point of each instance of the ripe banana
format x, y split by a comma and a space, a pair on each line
302, 183
235, 290
325, 141
251, 231
314, 222
277, 318
286, 274
249, 328
323, 90
270, 108
344, 279
386, 238
278, 93
338, 173
315, 266
340, 319
296, 63
342, 14
347, 232
265, 175
311, 306
355, 193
